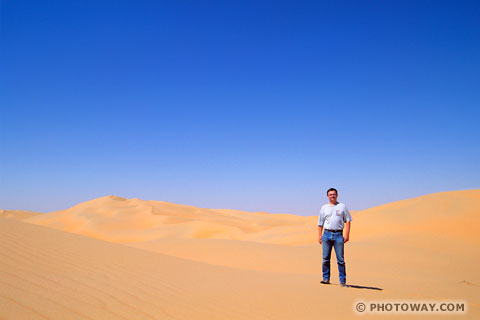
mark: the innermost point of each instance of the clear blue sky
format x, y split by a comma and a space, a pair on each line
250, 105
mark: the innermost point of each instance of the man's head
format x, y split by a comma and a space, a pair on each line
332, 195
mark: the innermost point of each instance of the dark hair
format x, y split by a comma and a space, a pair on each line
332, 189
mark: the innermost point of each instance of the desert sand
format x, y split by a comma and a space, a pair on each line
17, 214
117, 258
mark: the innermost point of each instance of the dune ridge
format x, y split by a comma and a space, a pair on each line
123, 220
17, 214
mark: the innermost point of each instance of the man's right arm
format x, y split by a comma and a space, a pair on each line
321, 220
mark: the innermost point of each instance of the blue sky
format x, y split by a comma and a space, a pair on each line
250, 105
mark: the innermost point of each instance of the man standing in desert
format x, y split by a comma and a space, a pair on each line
334, 216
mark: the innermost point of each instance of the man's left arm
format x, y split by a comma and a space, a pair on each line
346, 237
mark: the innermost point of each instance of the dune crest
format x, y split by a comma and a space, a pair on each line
17, 214
123, 220
117, 219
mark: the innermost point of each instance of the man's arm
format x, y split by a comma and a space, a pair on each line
346, 237
320, 229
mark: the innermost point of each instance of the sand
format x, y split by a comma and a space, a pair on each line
116, 258
17, 214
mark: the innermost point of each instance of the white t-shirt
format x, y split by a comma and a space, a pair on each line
333, 217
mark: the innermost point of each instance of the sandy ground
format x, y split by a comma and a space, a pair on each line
116, 258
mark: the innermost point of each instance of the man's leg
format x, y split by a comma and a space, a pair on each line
327, 253
339, 249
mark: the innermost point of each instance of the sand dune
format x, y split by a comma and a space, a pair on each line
181, 262
123, 220
50, 274
434, 215
17, 214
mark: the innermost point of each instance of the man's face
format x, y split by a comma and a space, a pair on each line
332, 196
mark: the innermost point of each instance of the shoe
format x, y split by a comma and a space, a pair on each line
324, 281
343, 285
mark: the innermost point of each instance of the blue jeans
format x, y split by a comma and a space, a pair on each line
329, 240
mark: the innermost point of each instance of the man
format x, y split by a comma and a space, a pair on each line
334, 216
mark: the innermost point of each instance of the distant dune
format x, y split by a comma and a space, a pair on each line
17, 214
174, 261
122, 220
434, 215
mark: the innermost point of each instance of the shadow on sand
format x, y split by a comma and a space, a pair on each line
362, 287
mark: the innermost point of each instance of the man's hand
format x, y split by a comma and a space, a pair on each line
320, 231
347, 232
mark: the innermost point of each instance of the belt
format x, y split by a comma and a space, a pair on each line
333, 230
